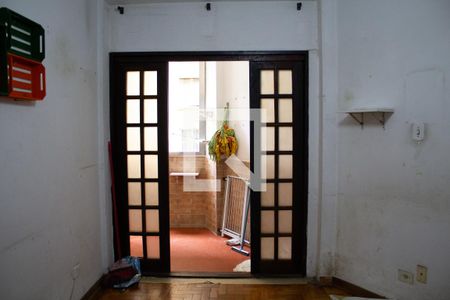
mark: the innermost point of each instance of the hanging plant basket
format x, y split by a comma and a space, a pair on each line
224, 142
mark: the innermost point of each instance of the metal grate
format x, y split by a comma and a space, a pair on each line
235, 213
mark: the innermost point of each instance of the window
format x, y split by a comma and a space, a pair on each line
187, 93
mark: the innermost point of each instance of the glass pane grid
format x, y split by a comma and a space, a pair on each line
152, 220
135, 220
284, 248
142, 163
285, 82
150, 83
285, 110
132, 83
277, 159
150, 111
134, 193
267, 82
133, 111
133, 139
136, 246
267, 110
268, 197
151, 139
151, 166
267, 248
134, 166
151, 193
267, 221
153, 247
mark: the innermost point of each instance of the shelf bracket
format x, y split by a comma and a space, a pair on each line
378, 113
381, 119
360, 120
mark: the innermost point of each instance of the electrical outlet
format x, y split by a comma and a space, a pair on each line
405, 276
421, 274
75, 271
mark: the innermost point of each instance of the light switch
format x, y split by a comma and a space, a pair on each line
418, 131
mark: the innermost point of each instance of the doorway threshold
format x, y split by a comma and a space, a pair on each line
194, 275
226, 280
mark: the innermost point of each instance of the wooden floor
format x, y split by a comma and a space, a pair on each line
204, 291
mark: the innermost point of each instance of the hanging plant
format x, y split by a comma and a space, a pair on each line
224, 142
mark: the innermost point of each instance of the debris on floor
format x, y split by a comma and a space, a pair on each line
244, 266
123, 273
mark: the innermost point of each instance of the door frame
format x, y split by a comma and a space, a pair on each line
118, 59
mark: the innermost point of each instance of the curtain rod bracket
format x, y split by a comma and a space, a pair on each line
299, 6
120, 9
208, 6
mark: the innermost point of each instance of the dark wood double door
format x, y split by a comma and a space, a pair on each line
279, 156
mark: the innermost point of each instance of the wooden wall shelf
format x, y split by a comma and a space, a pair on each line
378, 112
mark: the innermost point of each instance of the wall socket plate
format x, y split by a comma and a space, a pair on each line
405, 276
418, 131
421, 274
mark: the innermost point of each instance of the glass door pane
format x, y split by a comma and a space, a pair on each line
142, 129
276, 137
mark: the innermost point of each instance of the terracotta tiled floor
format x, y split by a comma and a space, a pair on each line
199, 250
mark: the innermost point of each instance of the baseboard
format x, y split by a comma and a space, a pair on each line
354, 289
326, 280
96, 287
209, 275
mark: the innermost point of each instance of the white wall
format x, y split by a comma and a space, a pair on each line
327, 138
265, 25
233, 88
394, 194
49, 207
104, 175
